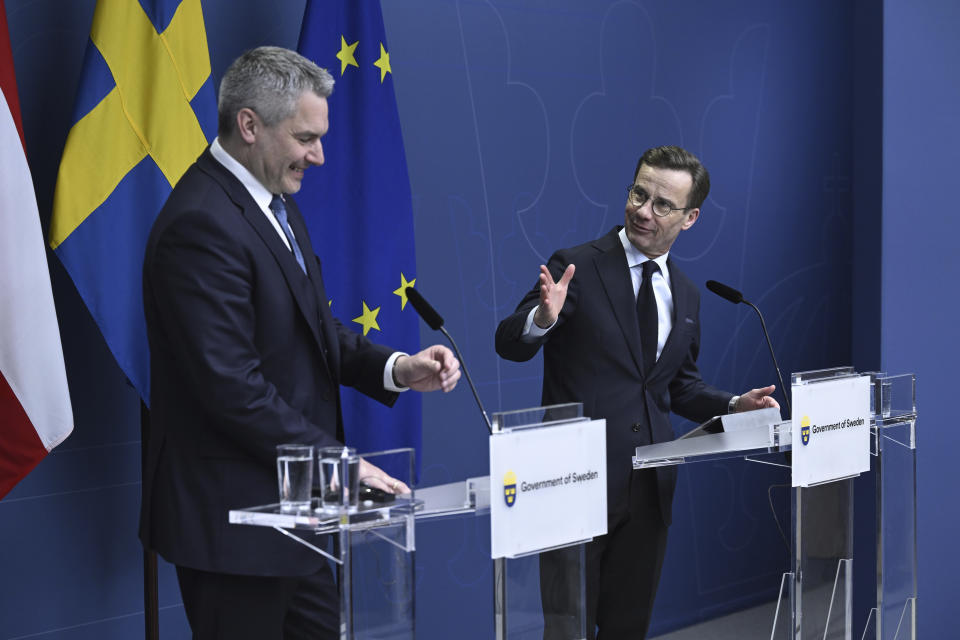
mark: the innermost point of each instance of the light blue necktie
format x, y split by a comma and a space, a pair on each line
276, 205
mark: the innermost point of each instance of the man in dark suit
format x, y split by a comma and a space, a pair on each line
623, 338
245, 355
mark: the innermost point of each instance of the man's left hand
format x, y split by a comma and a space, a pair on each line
433, 368
373, 476
757, 399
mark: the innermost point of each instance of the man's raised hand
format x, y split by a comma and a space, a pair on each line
552, 296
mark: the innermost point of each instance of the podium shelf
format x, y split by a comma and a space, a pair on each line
771, 438
318, 521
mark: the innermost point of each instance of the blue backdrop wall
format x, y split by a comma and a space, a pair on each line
522, 122
921, 150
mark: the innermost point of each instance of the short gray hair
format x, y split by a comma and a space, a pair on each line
269, 80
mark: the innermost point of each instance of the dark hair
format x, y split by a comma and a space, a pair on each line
269, 80
670, 157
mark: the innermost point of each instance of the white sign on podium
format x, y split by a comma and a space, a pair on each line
830, 430
548, 487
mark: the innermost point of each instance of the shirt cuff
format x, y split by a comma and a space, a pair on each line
732, 407
531, 332
388, 383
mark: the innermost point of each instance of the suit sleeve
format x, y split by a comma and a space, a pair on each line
200, 279
508, 342
361, 361
690, 396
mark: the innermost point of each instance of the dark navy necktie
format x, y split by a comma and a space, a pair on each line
647, 315
276, 205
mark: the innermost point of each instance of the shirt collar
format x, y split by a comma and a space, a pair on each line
260, 194
635, 256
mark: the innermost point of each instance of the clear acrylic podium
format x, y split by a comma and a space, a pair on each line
373, 548
516, 582
816, 595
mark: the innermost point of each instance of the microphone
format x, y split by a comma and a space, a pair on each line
725, 292
734, 296
424, 310
435, 321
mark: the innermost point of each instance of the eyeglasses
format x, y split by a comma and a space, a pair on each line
638, 197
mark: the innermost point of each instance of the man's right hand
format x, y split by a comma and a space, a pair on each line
552, 296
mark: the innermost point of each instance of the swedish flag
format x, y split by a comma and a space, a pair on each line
358, 205
144, 111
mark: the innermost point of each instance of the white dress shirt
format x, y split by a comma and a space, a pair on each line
257, 191
661, 287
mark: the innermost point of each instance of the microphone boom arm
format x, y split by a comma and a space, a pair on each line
466, 372
783, 387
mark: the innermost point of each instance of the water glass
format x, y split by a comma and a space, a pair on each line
339, 467
294, 475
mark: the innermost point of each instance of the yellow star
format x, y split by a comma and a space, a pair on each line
368, 319
402, 291
345, 55
383, 63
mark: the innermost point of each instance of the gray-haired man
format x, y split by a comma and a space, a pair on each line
245, 355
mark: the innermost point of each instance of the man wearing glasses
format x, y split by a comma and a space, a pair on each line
622, 337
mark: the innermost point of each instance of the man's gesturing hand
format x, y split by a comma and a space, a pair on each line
552, 296
433, 368
757, 399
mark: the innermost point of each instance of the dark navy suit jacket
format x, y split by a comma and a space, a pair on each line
245, 355
593, 356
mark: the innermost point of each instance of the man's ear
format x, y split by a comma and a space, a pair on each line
248, 125
692, 216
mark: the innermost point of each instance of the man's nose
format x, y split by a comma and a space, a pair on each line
315, 154
645, 210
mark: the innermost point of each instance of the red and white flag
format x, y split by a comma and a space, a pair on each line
35, 412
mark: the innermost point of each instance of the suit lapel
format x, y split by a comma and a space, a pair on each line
255, 217
296, 222
614, 275
327, 326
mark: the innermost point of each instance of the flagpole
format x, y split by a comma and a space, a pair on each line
151, 607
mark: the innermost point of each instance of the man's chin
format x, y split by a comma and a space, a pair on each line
638, 240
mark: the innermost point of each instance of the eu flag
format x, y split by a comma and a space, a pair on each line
358, 206
144, 111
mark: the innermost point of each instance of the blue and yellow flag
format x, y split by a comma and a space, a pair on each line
145, 110
358, 206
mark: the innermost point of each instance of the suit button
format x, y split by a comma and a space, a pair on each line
326, 396
637, 427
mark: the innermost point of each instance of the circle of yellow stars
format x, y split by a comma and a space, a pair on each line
347, 57
368, 319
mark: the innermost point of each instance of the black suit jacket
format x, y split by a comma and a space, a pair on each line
593, 356
245, 355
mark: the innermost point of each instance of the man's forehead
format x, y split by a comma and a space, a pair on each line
312, 112
676, 181
309, 102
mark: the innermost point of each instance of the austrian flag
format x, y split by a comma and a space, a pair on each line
35, 412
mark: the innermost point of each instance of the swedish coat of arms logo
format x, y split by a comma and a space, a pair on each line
805, 430
510, 488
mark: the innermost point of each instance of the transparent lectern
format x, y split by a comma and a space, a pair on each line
373, 545
816, 595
